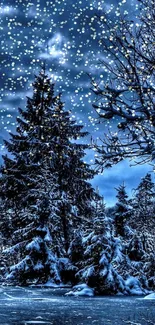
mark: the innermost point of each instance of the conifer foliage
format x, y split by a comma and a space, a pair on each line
122, 210
143, 203
44, 182
55, 227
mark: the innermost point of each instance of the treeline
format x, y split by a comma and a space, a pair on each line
55, 227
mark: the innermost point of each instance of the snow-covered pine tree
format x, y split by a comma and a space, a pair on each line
76, 250
122, 211
95, 268
143, 204
73, 174
45, 141
137, 238
100, 221
30, 253
143, 223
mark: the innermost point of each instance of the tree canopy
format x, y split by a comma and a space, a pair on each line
126, 97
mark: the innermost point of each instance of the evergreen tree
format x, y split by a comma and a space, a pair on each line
45, 181
122, 210
143, 217
143, 204
99, 218
33, 236
76, 249
100, 252
5, 223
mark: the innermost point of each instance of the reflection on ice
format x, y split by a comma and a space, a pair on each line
37, 322
31, 298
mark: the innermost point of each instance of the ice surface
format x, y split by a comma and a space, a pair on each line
37, 322
53, 307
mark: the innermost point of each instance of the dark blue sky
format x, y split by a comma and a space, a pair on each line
63, 32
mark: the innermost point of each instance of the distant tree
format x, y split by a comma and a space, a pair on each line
76, 249
126, 97
135, 249
99, 214
5, 223
143, 205
122, 210
141, 246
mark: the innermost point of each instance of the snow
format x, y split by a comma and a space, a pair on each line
134, 286
81, 290
20, 266
103, 272
103, 260
110, 276
36, 322
51, 284
12, 249
38, 266
34, 245
150, 296
86, 238
117, 250
48, 237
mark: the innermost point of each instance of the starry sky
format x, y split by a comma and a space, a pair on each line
66, 35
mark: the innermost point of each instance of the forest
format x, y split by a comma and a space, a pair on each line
55, 228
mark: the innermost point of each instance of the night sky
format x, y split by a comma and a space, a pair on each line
66, 35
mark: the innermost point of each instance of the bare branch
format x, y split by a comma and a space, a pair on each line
128, 94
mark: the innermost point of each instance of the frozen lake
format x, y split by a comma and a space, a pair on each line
29, 306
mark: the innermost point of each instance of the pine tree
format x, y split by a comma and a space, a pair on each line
122, 210
46, 167
100, 250
33, 236
5, 223
143, 203
143, 220
99, 218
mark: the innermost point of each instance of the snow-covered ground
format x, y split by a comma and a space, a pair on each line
150, 296
81, 290
27, 306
